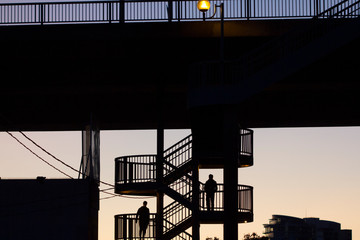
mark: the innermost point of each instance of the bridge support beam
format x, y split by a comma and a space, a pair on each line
230, 144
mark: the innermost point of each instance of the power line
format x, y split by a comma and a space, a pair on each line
8, 122
67, 165
39, 156
57, 159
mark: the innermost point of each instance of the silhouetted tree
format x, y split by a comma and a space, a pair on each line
254, 236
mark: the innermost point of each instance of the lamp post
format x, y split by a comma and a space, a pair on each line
204, 6
229, 128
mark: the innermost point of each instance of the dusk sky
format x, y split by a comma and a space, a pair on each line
302, 172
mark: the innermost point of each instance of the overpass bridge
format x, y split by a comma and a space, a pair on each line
114, 71
155, 65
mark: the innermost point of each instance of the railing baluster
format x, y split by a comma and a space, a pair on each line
122, 11
41, 14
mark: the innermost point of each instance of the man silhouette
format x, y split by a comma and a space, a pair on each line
143, 214
210, 189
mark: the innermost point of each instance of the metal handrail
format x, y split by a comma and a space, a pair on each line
338, 10
178, 155
246, 144
183, 186
175, 214
245, 198
127, 228
182, 236
156, 10
141, 168
135, 169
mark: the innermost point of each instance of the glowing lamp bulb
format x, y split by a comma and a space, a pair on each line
203, 5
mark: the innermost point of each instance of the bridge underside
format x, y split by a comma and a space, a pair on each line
55, 77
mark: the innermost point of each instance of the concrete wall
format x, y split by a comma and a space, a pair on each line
48, 209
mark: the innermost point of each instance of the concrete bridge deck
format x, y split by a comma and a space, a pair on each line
54, 76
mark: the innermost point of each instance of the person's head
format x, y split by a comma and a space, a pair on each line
211, 176
145, 203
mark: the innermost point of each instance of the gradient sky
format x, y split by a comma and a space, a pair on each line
302, 172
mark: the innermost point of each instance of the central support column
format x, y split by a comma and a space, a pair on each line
159, 169
230, 141
195, 198
159, 179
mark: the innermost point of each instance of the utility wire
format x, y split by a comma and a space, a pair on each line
67, 165
39, 156
57, 159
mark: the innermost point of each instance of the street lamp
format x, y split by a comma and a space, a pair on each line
204, 6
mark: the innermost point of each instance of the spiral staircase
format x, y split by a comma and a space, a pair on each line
136, 175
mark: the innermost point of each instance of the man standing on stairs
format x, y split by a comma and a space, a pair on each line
210, 189
143, 214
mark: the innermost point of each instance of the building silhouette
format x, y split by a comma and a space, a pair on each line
282, 227
48, 209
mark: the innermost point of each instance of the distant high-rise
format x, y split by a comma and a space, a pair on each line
282, 227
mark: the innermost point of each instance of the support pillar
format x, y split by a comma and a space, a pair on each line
230, 143
159, 170
195, 199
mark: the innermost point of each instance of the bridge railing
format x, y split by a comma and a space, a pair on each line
156, 10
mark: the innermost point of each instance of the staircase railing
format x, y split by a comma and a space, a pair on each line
245, 198
174, 215
183, 186
175, 157
181, 236
135, 169
127, 228
344, 9
246, 145
178, 155
142, 168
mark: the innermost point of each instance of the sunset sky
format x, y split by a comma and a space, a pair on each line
303, 172
300, 172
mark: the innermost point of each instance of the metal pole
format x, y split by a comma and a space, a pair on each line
230, 143
222, 43
222, 32
159, 166
109, 11
195, 197
248, 10
121, 11
42, 14
170, 10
